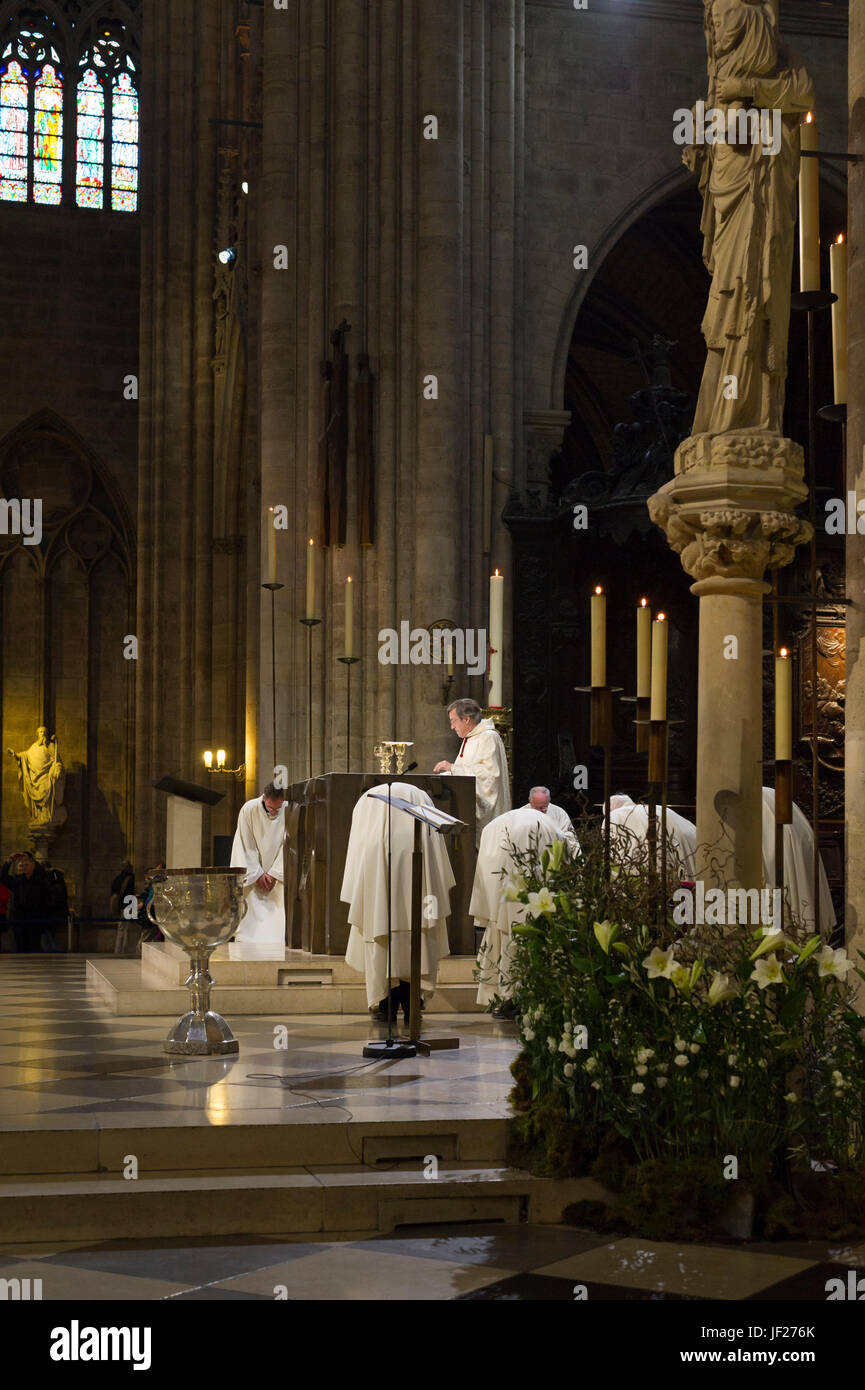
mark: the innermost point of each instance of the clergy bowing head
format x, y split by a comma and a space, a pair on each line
464, 716
539, 798
272, 799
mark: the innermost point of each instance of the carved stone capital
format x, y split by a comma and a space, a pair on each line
730, 510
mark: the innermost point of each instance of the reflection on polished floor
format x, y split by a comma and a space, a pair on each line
62, 1053
72, 1075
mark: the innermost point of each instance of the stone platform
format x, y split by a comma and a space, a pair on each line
103, 1136
247, 982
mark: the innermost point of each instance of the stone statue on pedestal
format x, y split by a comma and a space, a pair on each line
41, 779
748, 214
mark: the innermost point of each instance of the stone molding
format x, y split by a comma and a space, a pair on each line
730, 510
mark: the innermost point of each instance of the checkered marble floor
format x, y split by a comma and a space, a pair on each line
492, 1261
63, 1054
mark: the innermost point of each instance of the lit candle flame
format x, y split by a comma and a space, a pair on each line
643, 602
809, 118
839, 240
783, 652
661, 618
598, 589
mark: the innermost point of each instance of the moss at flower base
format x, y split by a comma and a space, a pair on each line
712, 1081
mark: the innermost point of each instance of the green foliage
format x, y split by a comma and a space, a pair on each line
663, 1045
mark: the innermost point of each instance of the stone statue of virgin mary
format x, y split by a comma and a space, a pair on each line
748, 218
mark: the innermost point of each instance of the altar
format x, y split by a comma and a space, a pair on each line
317, 823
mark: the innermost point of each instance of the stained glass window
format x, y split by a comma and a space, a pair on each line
124, 145
48, 136
103, 161
89, 178
14, 113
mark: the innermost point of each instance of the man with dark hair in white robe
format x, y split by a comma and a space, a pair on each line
258, 847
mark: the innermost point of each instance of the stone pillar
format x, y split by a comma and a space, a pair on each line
729, 514
854, 768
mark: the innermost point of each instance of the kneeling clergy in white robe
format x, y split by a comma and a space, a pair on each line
625, 815
258, 847
522, 829
364, 888
798, 866
539, 800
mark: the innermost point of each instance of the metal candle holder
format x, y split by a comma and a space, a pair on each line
783, 816
273, 588
348, 662
601, 736
309, 624
811, 302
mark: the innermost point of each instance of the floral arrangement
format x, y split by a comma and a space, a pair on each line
669, 1043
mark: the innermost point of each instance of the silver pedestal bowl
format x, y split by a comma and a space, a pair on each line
199, 909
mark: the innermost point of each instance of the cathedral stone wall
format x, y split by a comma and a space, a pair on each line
69, 283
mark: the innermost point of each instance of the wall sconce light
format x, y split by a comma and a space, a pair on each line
238, 772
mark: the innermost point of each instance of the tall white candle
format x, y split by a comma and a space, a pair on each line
660, 631
310, 579
496, 636
809, 208
271, 546
783, 706
599, 637
644, 650
838, 268
349, 617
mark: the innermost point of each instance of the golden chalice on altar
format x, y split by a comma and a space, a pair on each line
399, 751
383, 752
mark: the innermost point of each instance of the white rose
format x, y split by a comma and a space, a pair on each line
681, 1060
638, 1088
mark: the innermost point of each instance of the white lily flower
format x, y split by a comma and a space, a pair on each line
767, 971
721, 988
541, 902
833, 963
660, 964
512, 886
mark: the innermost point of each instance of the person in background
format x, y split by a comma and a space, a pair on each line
539, 800
56, 908
28, 908
122, 887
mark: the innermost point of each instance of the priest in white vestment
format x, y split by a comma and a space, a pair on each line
626, 817
522, 829
539, 800
482, 756
364, 888
798, 866
258, 848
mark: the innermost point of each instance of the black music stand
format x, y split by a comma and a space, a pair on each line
444, 824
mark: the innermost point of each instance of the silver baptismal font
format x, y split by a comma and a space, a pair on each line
199, 909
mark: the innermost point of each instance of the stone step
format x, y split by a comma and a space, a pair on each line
163, 962
123, 989
302, 1200
88, 1145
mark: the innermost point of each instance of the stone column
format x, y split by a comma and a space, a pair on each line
854, 768
729, 514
